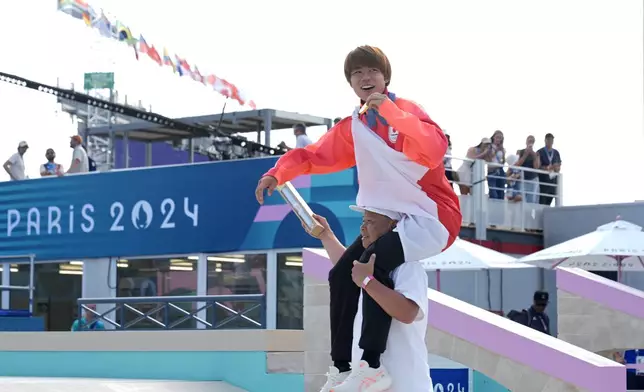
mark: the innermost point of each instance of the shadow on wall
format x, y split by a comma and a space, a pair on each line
291, 224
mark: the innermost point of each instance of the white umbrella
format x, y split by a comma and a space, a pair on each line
466, 256
616, 246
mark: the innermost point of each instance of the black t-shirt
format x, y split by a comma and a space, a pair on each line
529, 163
548, 158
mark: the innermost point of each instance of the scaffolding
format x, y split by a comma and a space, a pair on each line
99, 148
91, 116
244, 126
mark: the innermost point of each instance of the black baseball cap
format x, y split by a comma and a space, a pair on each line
550, 136
541, 297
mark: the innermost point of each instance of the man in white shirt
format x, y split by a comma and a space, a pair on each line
80, 161
301, 138
403, 366
15, 165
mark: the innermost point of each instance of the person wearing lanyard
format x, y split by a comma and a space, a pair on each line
551, 162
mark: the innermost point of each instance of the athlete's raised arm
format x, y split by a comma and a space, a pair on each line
332, 153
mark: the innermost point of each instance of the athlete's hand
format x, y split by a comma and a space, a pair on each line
268, 183
361, 270
325, 225
375, 100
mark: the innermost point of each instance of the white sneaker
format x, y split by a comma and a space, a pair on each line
334, 378
365, 379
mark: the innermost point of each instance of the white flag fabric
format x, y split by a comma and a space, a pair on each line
388, 180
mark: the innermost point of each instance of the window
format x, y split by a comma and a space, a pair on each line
290, 291
57, 286
157, 277
234, 274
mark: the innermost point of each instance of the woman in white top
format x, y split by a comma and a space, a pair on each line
495, 173
480, 151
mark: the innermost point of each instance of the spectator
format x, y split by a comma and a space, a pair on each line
51, 168
301, 138
535, 317
550, 161
465, 171
451, 175
15, 165
88, 322
336, 121
530, 159
80, 161
634, 378
514, 179
495, 173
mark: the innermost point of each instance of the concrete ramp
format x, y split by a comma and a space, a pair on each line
598, 314
519, 358
25, 384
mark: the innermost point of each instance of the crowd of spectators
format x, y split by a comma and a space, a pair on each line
529, 174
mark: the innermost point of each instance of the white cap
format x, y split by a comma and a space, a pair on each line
390, 214
23, 144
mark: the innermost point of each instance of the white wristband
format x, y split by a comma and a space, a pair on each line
366, 281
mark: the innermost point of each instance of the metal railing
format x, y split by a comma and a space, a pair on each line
204, 312
490, 196
484, 194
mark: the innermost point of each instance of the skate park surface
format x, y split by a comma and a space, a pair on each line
519, 358
19, 384
181, 361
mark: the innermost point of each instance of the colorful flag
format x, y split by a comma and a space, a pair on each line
114, 29
143, 46
196, 75
168, 61
73, 8
103, 25
180, 70
186, 67
124, 33
222, 87
154, 55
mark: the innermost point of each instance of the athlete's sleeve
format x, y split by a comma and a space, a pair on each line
425, 143
332, 153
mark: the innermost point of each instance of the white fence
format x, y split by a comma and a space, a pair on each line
500, 196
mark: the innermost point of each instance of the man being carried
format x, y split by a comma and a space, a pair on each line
399, 153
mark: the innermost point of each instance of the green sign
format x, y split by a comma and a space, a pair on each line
97, 80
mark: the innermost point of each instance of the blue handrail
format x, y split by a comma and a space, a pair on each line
164, 312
